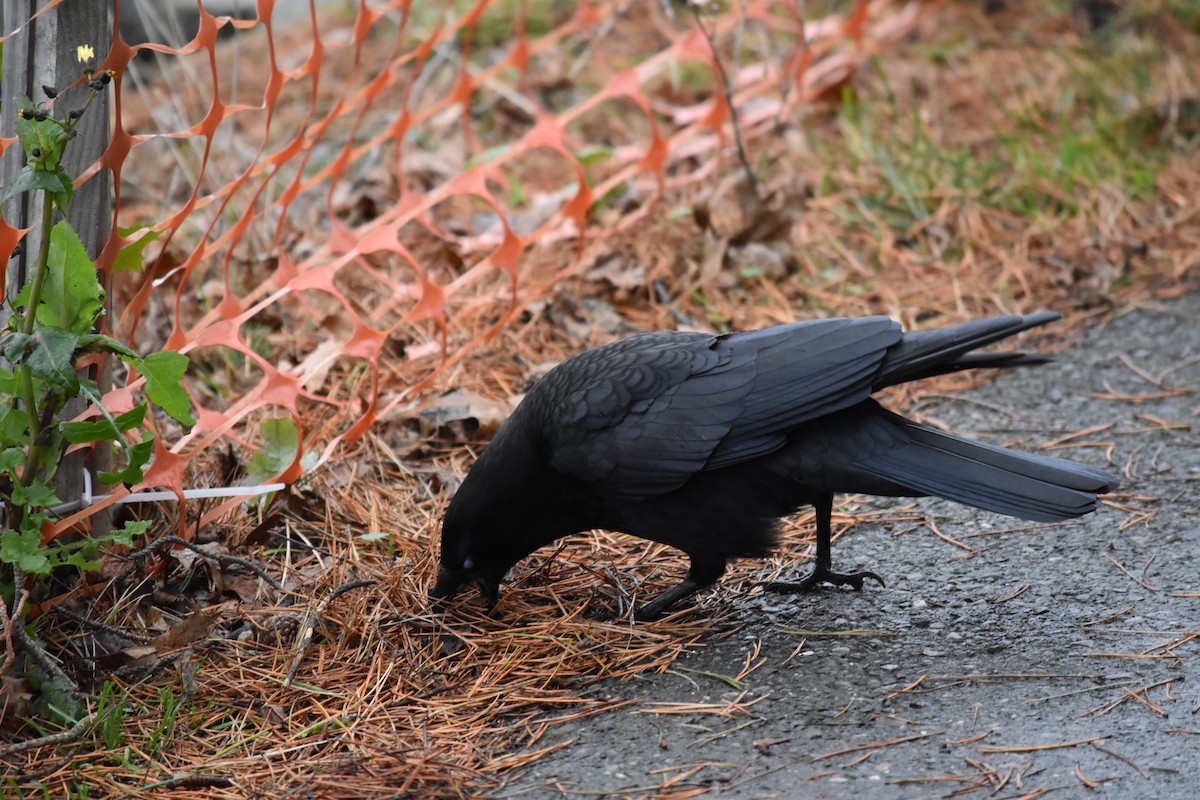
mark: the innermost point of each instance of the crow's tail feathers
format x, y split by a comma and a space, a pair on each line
1024, 485
923, 354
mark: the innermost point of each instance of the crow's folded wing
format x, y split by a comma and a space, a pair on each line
642, 415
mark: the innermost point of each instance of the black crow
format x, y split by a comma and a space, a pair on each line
703, 442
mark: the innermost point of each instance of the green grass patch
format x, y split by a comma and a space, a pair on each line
1099, 125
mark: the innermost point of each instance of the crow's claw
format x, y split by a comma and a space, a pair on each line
818, 576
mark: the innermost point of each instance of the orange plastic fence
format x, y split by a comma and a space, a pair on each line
499, 134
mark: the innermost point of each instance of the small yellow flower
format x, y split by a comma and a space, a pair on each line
84, 53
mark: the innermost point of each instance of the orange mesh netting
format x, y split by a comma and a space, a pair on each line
380, 193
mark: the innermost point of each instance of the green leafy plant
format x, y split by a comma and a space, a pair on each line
53, 325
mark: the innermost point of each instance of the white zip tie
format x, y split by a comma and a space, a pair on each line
87, 499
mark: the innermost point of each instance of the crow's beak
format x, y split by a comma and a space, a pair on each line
450, 581
489, 590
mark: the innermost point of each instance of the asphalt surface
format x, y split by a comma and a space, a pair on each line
1014, 669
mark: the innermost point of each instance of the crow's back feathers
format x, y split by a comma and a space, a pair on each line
643, 415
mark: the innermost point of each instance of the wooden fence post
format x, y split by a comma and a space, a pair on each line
43, 53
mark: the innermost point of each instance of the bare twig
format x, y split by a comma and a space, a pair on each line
71, 734
309, 627
10, 652
224, 559
727, 91
96, 625
34, 650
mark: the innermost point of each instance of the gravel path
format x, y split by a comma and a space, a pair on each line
1021, 666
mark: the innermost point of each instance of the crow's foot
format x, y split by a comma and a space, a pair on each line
818, 576
657, 608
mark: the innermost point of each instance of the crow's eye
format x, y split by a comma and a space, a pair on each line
468, 563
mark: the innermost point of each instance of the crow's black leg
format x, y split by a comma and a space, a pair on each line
823, 570
702, 573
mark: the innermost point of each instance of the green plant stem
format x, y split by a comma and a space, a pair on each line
33, 458
40, 268
71, 124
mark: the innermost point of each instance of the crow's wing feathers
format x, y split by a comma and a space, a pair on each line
878, 443
617, 415
922, 354
644, 414
806, 370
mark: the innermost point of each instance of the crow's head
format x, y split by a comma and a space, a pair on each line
472, 550
512, 502
496, 518
452, 578
463, 562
